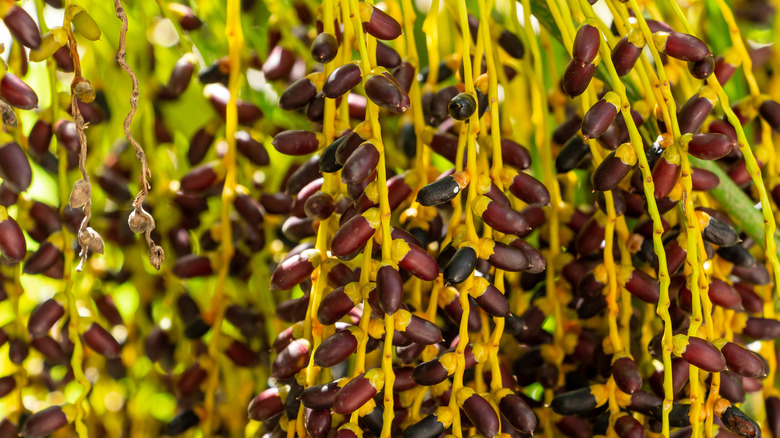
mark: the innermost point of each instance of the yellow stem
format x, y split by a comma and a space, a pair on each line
235, 39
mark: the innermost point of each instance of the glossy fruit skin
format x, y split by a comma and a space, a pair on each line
762, 328
305, 174
503, 218
439, 106
704, 355
351, 236
321, 396
529, 190
199, 146
428, 427
644, 402
297, 95
191, 379
743, 361
51, 349
686, 47
610, 172
462, 106
493, 301
265, 405
17, 93
15, 167
278, 64
507, 258
345, 432
319, 206
347, 147
313, 187
66, 133
317, 422
577, 77
180, 78
360, 164
353, 395
7, 384
598, 118
665, 176
586, 44
536, 261
249, 209
336, 305
738, 255
100, 340
773, 414
296, 142
446, 145
387, 93
43, 318
770, 111
294, 270
514, 154
341, 80
573, 152
460, 266
723, 70
566, 130
22, 27
439, 192
336, 348
292, 359
197, 180
63, 60
341, 275
390, 289
430, 373
629, 427
182, 422
44, 422
511, 44
215, 73
480, 412
739, 173
518, 413
40, 137
626, 375
416, 261
378, 24
387, 56
328, 163
219, 96
575, 402
724, 295
496, 195
756, 274
703, 68
324, 48
693, 113
404, 74
13, 246
192, 265
643, 287
417, 329
625, 55
712, 146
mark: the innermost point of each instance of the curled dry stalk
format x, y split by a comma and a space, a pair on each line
81, 196
140, 221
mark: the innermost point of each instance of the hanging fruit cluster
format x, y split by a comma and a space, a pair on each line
463, 218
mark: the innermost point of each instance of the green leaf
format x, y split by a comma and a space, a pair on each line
739, 207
